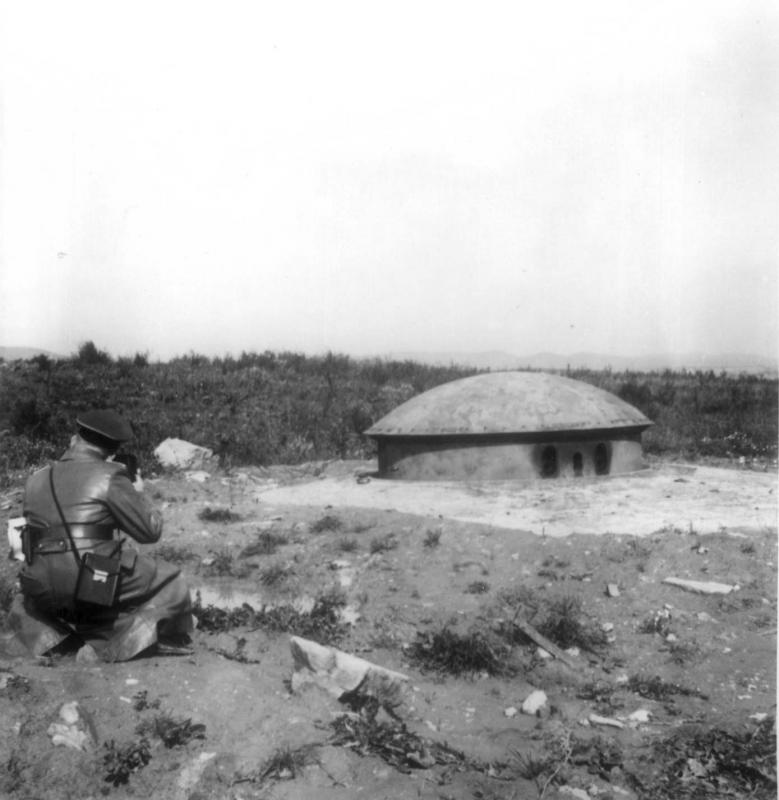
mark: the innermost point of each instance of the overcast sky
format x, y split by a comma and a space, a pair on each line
365, 178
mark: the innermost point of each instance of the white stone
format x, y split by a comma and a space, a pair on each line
197, 476
535, 701
573, 791
182, 455
336, 671
510, 712
69, 713
640, 715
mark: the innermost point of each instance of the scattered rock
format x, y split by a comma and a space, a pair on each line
510, 712
573, 791
179, 454
607, 721
701, 587
534, 702
197, 476
74, 731
338, 672
612, 590
640, 715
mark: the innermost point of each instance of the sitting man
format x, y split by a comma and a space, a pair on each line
76, 506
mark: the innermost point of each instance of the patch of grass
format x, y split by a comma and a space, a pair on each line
141, 701
346, 545
173, 554
432, 539
565, 625
478, 587
697, 762
446, 651
684, 652
393, 743
172, 732
655, 688
602, 695
326, 524
265, 544
285, 764
383, 544
218, 515
322, 624
273, 575
748, 548
220, 564
121, 761
659, 622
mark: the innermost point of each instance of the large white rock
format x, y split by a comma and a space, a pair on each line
182, 455
339, 672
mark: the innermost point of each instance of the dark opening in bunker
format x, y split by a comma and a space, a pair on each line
549, 462
578, 465
601, 460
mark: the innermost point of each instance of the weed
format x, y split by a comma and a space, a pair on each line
684, 652
382, 544
478, 587
553, 561
445, 651
659, 622
432, 539
322, 624
284, 765
218, 515
172, 732
141, 701
564, 625
122, 761
656, 688
237, 653
361, 527
326, 524
220, 564
602, 694
347, 545
273, 575
748, 548
265, 544
715, 762
393, 743
173, 554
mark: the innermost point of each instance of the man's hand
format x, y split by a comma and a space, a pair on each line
138, 482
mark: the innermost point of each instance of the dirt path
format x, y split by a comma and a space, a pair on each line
704, 499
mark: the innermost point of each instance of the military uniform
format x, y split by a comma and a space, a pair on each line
98, 501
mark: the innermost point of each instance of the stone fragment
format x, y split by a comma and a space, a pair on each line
701, 587
612, 590
338, 672
534, 702
595, 719
179, 454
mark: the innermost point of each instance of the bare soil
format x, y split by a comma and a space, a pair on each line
407, 560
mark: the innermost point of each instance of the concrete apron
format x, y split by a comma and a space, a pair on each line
704, 499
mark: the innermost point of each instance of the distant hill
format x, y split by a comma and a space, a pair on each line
497, 360
14, 353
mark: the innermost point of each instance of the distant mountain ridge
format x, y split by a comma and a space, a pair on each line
496, 360
15, 353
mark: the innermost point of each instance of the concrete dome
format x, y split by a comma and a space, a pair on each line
509, 402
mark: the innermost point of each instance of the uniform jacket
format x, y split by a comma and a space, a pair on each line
91, 491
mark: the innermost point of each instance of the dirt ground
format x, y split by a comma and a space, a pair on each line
668, 697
